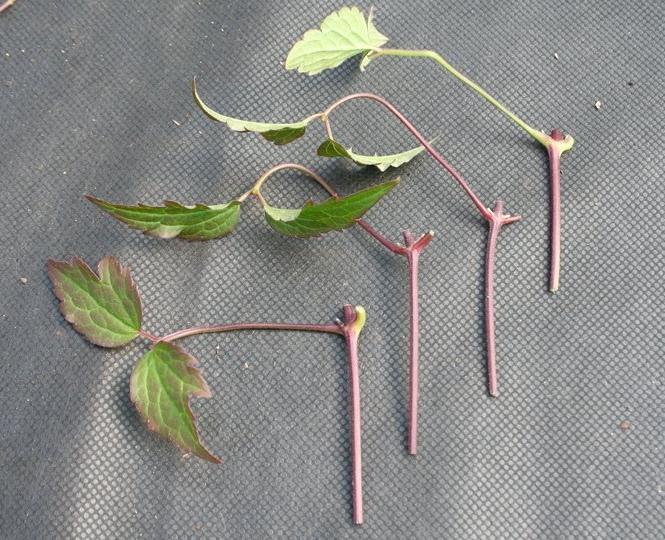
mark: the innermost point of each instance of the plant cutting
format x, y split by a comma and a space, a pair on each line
286, 132
106, 309
175, 220
347, 33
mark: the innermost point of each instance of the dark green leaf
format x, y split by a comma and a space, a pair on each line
198, 222
330, 148
284, 135
160, 387
330, 215
106, 309
277, 133
343, 34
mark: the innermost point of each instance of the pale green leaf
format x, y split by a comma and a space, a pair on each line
330, 215
160, 387
105, 308
276, 133
197, 222
330, 148
343, 34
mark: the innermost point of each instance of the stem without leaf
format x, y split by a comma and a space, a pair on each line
490, 255
350, 328
414, 248
554, 155
354, 321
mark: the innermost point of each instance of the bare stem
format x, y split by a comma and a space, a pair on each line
353, 323
490, 340
495, 225
423, 141
554, 155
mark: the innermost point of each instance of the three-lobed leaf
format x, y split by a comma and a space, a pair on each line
330, 215
276, 133
342, 35
331, 148
160, 387
105, 308
197, 222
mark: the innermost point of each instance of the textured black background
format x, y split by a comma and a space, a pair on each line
90, 93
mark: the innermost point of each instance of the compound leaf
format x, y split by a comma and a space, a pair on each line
343, 34
330, 148
330, 215
198, 222
160, 387
276, 133
106, 309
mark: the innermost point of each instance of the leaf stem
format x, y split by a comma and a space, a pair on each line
232, 327
423, 141
293, 166
432, 55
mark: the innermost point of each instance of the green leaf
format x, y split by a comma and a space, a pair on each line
160, 387
343, 34
106, 309
330, 148
330, 215
276, 133
198, 222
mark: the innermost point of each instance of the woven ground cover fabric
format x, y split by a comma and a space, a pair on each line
95, 98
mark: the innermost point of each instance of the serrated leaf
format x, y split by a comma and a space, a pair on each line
276, 133
160, 387
330, 148
106, 309
343, 34
330, 215
197, 222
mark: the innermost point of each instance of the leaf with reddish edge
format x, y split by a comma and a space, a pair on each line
160, 387
106, 309
195, 222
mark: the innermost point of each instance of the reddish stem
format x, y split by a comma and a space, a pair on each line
490, 255
351, 334
411, 251
232, 327
554, 155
